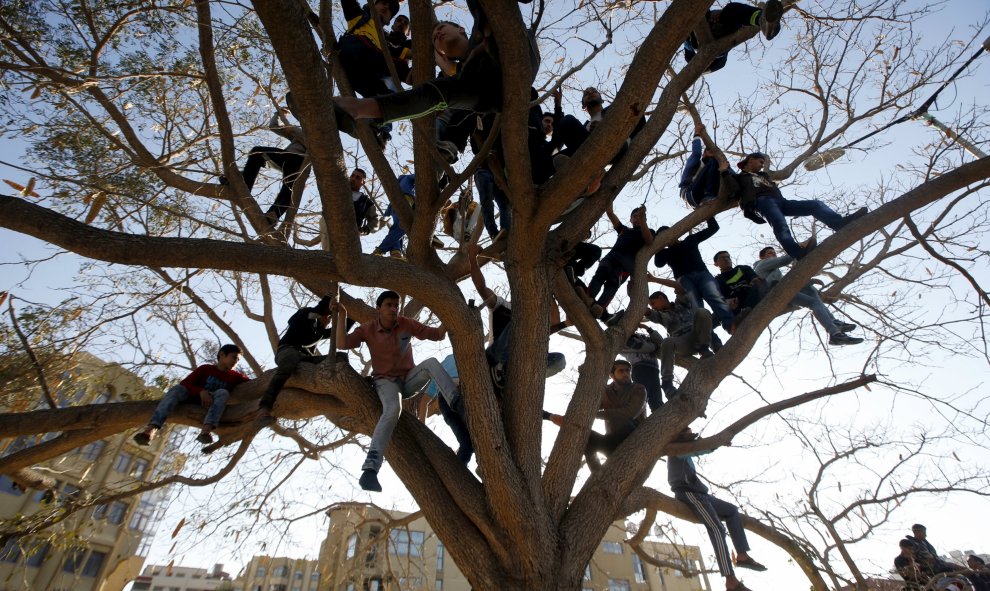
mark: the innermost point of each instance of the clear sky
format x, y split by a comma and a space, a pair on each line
765, 464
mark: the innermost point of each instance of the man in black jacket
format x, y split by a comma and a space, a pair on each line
760, 195
307, 327
688, 488
691, 272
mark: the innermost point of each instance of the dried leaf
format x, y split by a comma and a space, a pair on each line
559, 60
29, 189
178, 527
3, 297
98, 202
956, 457
867, 386
16, 186
36, 93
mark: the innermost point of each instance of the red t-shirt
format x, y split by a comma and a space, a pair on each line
209, 377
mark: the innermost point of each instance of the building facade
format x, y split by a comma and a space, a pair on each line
279, 573
157, 577
98, 548
370, 549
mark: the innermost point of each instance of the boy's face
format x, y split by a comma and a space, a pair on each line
638, 217
383, 10
401, 24
450, 40
388, 312
357, 180
723, 261
227, 361
754, 164
547, 125
659, 303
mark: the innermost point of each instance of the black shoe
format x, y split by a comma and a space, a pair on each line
571, 275
448, 150
845, 326
809, 245
223, 181
204, 438
841, 338
668, 388
605, 316
498, 376
770, 23
716, 343
750, 564
705, 352
369, 481
854, 216
613, 319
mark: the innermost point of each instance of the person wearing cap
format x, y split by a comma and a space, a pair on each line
689, 332
927, 554
306, 328
712, 511
615, 267
210, 384
762, 202
732, 17
395, 374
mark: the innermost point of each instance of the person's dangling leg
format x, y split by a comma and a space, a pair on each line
390, 394
290, 164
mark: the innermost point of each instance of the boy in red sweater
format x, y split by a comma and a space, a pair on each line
211, 384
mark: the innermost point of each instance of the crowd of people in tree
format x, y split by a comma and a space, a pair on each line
466, 95
923, 569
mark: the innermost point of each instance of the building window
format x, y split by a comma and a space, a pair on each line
140, 468
280, 571
351, 546
11, 551
8, 486
38, 555
438, 586
70, 492
618, 585
404, 542
93, 450
638, 568
94, 563
118, 510
587, 572
297, 588
612, 547
262, 571
123, 462
142, 516
73, 561
315, 576
410, 583
440, 557
299, 575
100, 511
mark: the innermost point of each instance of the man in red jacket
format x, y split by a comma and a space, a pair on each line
211, 384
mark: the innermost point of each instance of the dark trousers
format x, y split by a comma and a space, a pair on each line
584, 257
456, 125
288, 162
490, 195
611, 273
649, 377
287, 359
606, 444
712, 511
732, 17
364, 65
707, 182
458, 426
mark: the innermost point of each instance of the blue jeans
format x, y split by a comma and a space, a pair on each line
702, 287
179, 393
809, 298
490, 195
393, 240
776, 210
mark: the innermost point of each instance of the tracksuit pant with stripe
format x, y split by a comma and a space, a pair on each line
712, 512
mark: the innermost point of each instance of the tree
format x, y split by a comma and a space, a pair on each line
154, 98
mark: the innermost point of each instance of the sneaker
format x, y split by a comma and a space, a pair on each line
614, 318
667, 385
369, 481
716, 343
750, 564
448, 150
146, 435
854, 216
396, 254
770, 23
845, 326
605, 316
204, 437
597, 311
841, 338
705, 352
223, 181
498, 376
378, 252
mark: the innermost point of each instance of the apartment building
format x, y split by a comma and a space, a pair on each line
279, 573
99, 548
370, 549
158, 577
